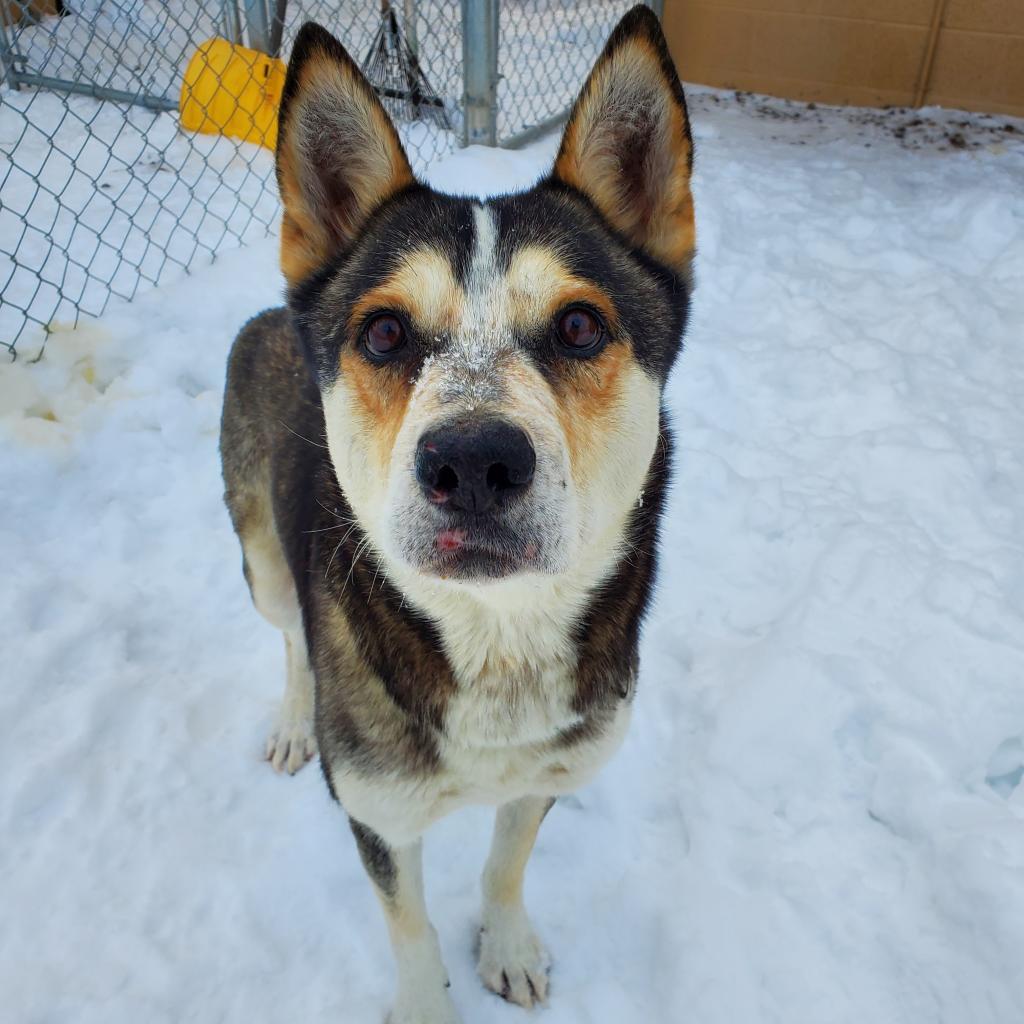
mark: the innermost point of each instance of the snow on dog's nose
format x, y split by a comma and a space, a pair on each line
475, 466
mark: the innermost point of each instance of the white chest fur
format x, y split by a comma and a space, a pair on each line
513, 660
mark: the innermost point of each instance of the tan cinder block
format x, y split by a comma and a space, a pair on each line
978, 71
866, 52
825, 50
1003, 17
897, 12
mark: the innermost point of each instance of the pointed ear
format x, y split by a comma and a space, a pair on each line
338, 154
627, 144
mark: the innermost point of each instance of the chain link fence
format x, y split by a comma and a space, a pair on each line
104, 189
546, 49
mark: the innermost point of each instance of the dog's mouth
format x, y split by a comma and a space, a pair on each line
472, 551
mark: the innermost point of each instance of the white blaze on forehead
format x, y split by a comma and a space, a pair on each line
485, 243
485, 319
471, 363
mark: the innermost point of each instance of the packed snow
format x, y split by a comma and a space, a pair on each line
817, 817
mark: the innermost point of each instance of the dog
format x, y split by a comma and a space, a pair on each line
446, 462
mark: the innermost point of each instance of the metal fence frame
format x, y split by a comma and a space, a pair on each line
484, 53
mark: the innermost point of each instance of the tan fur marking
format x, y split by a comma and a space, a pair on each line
539, 285
588, 393
299, 250
534, 275
424, 287
270, 580
381, 397
404, 924
507, 888
515, 833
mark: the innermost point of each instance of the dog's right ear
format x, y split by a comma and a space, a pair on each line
338, 154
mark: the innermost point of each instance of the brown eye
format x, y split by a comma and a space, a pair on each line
384, 335
579, 329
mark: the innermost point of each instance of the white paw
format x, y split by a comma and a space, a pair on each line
513, 961
291, 743
427, 1006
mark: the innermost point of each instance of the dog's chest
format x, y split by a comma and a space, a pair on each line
510, 706
507, 729
500, 735
515, 676
514, 710
514, 701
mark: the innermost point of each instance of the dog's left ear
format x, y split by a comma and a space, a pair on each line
627, 144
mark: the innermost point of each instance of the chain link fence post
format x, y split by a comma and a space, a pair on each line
7, 57
480, 71
232, 22
257, 25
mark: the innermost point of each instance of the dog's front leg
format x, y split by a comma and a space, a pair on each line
513, 961
397, 876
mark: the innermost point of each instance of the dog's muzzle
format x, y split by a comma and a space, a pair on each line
476, 475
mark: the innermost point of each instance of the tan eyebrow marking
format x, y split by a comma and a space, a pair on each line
424, 286
538, 284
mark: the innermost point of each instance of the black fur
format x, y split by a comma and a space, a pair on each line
376, 857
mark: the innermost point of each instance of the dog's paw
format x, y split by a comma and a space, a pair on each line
513, 962
425, 1006
291, 744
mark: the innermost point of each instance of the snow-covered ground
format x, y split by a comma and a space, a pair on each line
817, 816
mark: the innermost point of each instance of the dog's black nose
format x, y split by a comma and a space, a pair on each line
474, 465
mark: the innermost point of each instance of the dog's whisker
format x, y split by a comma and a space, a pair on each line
334, 512
328, 529
338, 547
376, 573
315, 444
361, 549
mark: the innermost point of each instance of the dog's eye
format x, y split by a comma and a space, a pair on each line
384, 335
580, 330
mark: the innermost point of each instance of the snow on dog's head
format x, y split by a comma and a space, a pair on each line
491, 373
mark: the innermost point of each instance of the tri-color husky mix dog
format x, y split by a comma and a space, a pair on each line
446, 461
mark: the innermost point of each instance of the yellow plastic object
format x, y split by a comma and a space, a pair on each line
231, 90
